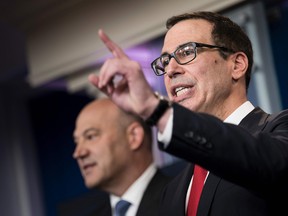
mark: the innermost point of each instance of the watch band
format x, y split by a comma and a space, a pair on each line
162, 106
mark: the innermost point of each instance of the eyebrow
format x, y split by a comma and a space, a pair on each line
85, 132
179, 46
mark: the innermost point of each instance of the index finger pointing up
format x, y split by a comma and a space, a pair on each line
113, 47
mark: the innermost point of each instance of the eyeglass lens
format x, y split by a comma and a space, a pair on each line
182, 55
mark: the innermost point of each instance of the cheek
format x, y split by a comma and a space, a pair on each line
212, 73
105, 158
112, 165
167, 83
111, 154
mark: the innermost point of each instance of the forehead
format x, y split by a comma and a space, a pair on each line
100, 117
192, 30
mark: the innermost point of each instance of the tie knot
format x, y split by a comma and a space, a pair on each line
121, 207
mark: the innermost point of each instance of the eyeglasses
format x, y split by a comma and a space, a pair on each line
183, 55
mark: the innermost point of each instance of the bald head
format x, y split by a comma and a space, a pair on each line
105, 111
101, 111
112, 147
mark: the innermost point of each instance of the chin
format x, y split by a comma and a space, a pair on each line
192, 107
90, 184
187, 104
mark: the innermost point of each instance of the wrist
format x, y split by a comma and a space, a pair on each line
162, 106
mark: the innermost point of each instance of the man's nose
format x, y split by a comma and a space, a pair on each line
173, 68
80, 152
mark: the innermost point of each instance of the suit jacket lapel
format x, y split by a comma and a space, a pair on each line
151, 197
207, 196
181, 188
257, 115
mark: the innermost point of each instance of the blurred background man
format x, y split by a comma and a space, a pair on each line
114, 153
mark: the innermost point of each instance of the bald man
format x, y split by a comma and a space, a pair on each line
114, 154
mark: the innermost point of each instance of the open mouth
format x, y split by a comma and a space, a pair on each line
87, 167
181, 90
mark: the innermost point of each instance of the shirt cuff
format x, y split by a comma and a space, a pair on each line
165, 137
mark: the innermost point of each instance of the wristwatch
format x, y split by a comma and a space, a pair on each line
162, 106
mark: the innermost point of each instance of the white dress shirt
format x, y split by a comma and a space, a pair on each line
135, 192
234, 118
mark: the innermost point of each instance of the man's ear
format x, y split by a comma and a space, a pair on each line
135, 133
240, 65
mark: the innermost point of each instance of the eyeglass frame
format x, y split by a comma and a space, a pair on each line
195, 46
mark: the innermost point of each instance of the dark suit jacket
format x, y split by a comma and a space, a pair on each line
248, 164
98, 203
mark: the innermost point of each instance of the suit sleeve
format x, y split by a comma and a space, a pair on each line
254, 155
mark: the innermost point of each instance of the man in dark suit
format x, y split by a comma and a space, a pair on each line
114, 154
206, 61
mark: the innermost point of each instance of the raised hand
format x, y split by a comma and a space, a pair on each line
130, 91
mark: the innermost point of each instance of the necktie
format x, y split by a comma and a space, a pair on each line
121, 207
196, 190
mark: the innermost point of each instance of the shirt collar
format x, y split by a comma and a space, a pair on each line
240, 113
136, 190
